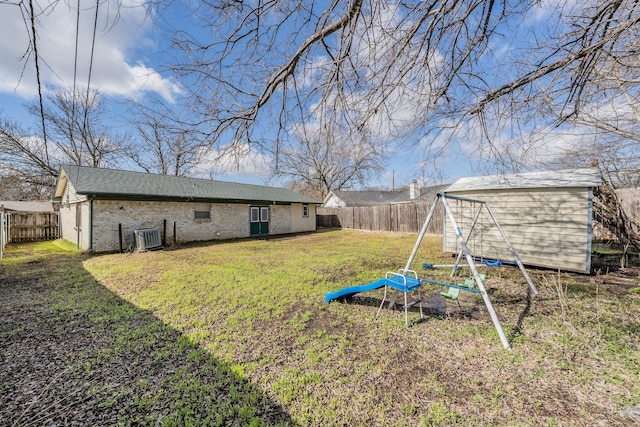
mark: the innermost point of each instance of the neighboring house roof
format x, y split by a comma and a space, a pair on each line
32, 206
368, 198
546, 179
112, 183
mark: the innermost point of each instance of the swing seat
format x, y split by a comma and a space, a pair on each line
451, 294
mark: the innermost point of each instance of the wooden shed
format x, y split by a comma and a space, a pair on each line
547, 217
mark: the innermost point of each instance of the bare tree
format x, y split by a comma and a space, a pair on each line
608, 211
19, 150
166, 145
76, 129
24, 185
76, 134
323, 159
275, 60
607, 113
25, 167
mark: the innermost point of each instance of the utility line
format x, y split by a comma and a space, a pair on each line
93, 44
75, 74
35, 53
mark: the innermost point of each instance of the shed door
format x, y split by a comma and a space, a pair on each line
259, 220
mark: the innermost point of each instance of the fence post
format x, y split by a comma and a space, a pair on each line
120, 236
2, 232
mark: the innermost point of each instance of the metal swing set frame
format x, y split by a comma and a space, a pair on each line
406, 274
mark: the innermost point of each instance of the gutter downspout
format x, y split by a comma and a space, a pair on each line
91, 222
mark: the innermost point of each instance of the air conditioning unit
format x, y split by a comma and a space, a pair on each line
147, 239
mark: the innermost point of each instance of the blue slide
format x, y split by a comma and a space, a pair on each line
347, 292
401, 283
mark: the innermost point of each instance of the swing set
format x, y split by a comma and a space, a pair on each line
406, 281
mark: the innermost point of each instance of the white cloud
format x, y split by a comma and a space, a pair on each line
534, 149
118, 64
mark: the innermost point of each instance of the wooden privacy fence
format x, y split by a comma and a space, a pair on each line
409, 217
4, 232
404, 218
31, 226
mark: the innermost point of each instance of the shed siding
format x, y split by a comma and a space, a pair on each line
548, 227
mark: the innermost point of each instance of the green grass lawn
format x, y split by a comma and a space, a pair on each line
238, 333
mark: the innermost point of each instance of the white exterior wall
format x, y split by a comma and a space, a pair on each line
68, 229
333, 201
300, 223
548, 227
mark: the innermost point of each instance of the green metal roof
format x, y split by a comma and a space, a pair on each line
113, 183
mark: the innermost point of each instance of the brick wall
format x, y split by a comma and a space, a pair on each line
280, 219
227, 221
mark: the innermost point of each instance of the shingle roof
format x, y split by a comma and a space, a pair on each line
112, 183
365, 198
32, 206
374, 198
546, 179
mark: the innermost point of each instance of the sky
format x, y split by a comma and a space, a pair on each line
128, 63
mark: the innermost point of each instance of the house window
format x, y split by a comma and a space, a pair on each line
255, 214
202, 212
305, 211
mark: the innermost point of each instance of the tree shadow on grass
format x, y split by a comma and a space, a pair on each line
74, 353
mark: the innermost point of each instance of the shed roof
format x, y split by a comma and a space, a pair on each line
27, 206
585, 177
113, 183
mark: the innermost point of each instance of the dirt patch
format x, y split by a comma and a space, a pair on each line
333, 274
97, 360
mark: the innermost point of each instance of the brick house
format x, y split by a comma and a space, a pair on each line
101, 208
